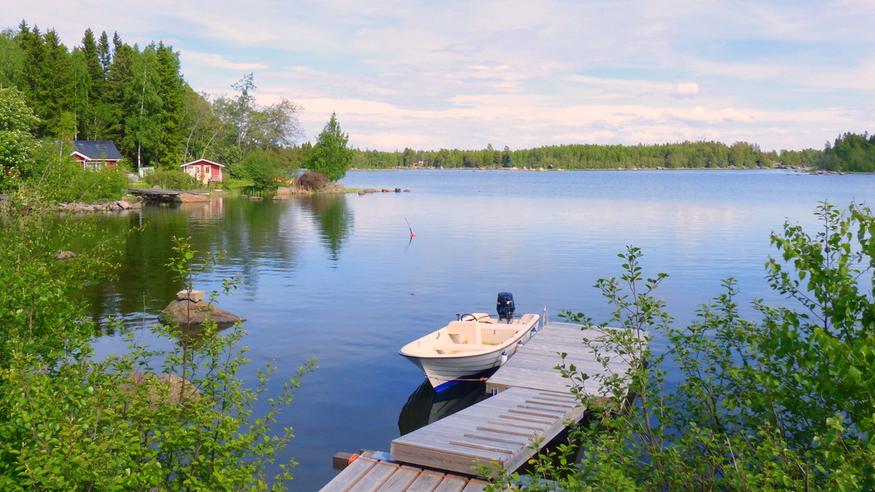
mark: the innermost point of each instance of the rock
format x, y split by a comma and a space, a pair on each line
64, 255
192, 197
163, 388
123, 205
187, 313
255, 198
406, 190
397, 190
361, 193
370, 190
283, 190
191, 295
385, 190
156, 187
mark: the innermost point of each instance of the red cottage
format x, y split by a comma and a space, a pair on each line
96, 154
204, 171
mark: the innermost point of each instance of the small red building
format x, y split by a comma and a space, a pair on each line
96, 154
204, 171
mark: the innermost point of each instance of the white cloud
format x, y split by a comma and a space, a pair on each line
215, 60
687, 88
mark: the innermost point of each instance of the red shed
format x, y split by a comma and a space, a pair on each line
204, 171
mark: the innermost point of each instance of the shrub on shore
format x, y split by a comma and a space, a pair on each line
171, 180
312, 181
262, 168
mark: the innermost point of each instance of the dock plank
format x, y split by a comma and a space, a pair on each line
347, 478
375, 477
427, 481
400, 480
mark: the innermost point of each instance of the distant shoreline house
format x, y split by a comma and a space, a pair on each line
204, 171
96, 154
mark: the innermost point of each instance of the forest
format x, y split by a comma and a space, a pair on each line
107, 89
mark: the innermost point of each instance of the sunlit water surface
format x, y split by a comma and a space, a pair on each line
336, 277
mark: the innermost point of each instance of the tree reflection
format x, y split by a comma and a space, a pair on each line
334, 219
242, 234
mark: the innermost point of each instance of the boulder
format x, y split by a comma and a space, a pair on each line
191, 295
123, 205
283, 190
188, 313
64, 255
161, 388
397, 190
406, 190
385, 190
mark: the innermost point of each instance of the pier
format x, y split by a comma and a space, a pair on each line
531, 404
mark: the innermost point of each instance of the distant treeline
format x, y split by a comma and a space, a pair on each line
850, 152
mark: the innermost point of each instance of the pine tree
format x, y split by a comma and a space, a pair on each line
170, 144
103, 52
331, 156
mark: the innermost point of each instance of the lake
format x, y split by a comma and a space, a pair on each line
336, 277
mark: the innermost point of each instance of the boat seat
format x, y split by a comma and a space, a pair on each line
449, 349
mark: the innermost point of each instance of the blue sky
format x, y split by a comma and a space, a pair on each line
784, 74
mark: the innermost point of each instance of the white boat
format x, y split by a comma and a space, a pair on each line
472, 346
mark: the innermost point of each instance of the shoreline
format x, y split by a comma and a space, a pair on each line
788, 170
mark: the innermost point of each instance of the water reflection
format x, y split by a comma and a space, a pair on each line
334, 219
249, 239
425, 405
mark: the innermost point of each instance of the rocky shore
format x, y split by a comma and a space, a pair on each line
112, 206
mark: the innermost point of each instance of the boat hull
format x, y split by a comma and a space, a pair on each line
442, 370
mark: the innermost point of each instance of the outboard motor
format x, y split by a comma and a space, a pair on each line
505, 306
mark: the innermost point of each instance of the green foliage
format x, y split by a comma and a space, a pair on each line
262, 168
850, 152
11, 60
178, 419
55, 177
171, 180
782, 403
331, 156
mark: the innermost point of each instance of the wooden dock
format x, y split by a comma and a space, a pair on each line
531, 404
367, 474
505, 430
534, 364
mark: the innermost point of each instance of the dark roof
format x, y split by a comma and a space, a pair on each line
97, 149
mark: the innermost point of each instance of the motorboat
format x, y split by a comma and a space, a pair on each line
470, 346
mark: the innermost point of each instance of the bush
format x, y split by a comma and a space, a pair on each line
171, 180
59, 178
262, 168
312, 181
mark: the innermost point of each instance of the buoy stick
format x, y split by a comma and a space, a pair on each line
412, 234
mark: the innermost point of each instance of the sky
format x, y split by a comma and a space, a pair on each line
462, 74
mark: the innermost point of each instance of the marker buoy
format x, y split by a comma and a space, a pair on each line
412, 234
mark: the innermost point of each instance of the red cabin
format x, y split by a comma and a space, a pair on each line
96, 154
204, 171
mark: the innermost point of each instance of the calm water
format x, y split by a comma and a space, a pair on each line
337, 278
